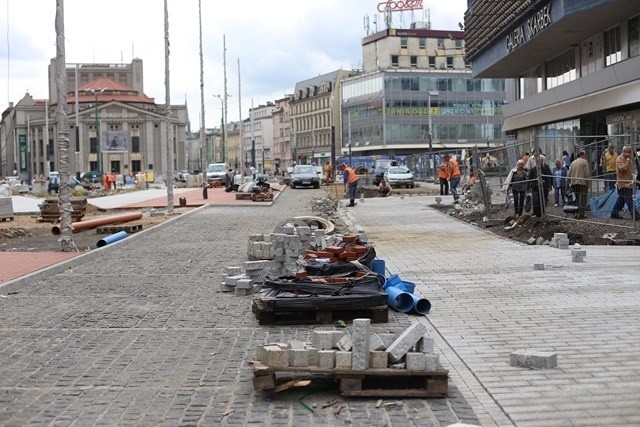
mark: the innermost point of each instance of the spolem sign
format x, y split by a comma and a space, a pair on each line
399, 5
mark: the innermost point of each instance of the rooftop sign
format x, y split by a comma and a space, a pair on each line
399, 5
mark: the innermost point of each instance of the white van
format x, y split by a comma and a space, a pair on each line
216, 172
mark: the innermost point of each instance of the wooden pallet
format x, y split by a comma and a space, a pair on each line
244, 196
385, 382
115, 228
266, 197
6, 218
306, 316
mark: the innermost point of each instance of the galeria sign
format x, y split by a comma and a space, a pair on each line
400, 5
533, 26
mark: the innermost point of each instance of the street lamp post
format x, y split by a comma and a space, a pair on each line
430, 135
224, 125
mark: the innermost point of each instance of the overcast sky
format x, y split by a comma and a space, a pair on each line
278, 43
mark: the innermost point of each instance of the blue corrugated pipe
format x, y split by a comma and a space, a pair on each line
111, 238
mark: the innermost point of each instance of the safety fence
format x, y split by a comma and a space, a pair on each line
494, 165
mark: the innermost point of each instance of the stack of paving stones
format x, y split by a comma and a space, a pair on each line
6, 208
560, 241
359, 350
246, 282
577, 253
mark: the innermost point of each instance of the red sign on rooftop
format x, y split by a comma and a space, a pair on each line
399, 5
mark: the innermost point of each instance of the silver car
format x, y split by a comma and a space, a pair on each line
400, 176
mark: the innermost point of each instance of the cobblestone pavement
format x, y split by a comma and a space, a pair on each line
138, 334
488, 301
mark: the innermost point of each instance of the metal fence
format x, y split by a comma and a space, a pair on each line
495, 164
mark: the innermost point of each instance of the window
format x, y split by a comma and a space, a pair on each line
432, 62
414, 61
449, 61
394, 60
135, 144
404, 41
441, 43
560, 70
136, 166
422, 42
634, 36
612, 50
459, 43
93, 145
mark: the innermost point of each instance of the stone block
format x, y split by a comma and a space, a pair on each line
387, 339
298, 357
538, 266
344, 343
416, 361
226, 288
337, 336
405, 342
531, 241
261, 354
264, 382
539, 240
375, 343
313, 355
232, 280
256, 265
425, 344
232, 271
277, 357
244, 284
343, 360
432, 361
296, 345
326, 359
533, 359
378, 359
242, 292
360, 338
322, 340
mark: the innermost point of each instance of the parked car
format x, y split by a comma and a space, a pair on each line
93, 177
400, 176
380, 168
304, 175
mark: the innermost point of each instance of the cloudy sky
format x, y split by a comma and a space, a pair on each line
277, 42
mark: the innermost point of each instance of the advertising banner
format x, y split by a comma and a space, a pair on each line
22, 149
114, 141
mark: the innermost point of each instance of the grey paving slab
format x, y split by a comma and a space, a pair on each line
139, 334
488, 301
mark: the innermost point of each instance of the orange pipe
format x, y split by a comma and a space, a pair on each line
93, 223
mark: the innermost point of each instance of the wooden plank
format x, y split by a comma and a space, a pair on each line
378, 314
264, 382
392, 393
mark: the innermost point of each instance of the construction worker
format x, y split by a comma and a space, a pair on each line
328, 169
350, 180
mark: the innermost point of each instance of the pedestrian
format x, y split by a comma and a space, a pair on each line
539, 194
578, 176
454, 176
443, 177
608, 163
531, 161
384, 189
559, 182
328, 169
518, 187
566, 159
625, 184
350, 180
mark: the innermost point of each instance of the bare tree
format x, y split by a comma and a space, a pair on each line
167, 113
64, 194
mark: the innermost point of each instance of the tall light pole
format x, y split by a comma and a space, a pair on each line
430, 135
97, 126
224, 124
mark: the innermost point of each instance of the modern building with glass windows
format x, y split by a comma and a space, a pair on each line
573, 67
417, 87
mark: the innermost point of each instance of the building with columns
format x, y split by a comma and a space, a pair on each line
113, 125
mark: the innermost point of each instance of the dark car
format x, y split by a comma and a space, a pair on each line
93, 177
304, 176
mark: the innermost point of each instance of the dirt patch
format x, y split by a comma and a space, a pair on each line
592, 231
27, 233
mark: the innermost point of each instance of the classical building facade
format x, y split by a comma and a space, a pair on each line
258, 138
113, 125
281, 150
573, 68
417, 94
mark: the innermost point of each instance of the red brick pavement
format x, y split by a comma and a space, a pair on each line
17, 264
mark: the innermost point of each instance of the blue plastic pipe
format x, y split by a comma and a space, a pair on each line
111, 238
421, 305
399, 300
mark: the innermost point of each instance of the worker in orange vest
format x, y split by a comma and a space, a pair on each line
105, 181
350, 180
454, 177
